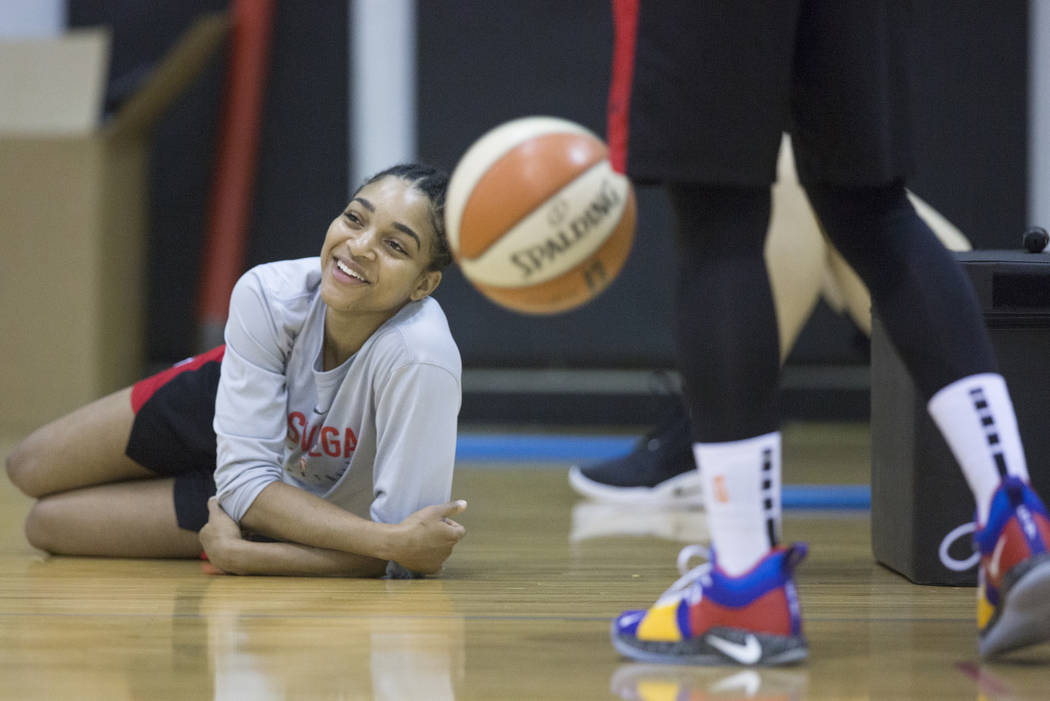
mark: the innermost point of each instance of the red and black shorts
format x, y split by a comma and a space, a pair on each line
701, 92
173, 435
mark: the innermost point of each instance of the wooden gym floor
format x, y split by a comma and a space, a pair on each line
521, 612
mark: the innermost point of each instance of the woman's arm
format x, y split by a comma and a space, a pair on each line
288, 513
230, 552
251, 404
416, 425
328, 539
293, 560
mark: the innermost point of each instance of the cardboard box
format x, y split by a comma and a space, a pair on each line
74, 218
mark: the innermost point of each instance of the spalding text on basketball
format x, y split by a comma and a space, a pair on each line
532, 259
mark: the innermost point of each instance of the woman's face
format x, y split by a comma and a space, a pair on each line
376, 253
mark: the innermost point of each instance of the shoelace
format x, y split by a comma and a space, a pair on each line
689, 575
955, 534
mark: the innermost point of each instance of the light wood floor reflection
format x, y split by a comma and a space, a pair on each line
521, 612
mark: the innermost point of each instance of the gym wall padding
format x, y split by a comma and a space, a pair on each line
481, 63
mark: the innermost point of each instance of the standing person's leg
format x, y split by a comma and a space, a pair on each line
708, 103
728, 354
853, 163
661, 468
932, 317
741, 607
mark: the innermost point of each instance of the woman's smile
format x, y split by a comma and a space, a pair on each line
348, 272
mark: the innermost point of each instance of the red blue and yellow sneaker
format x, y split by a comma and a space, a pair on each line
710, 618
1013, 588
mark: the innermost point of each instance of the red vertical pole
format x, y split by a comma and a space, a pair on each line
233, 179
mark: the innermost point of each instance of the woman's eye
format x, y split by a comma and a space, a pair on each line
397, 247
352, 217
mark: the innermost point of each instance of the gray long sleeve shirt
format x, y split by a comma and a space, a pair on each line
376, 435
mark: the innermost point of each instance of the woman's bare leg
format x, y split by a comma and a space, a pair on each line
127, 519
94, 499
83, 448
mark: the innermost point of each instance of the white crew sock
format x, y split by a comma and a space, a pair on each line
977, 419
741, 493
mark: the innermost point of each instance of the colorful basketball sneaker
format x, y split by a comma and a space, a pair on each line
710, 618
1013, 587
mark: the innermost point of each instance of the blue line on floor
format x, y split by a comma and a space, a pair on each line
584, 449
826, 496
524, 448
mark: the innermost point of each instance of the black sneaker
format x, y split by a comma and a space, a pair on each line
660, 469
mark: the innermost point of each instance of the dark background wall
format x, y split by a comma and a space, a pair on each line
482, 63
301, 181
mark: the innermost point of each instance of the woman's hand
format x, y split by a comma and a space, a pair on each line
424, 540
219, 537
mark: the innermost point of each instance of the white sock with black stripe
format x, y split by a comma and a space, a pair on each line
741, 493
976, 418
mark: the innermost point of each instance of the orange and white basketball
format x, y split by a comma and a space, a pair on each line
537, 219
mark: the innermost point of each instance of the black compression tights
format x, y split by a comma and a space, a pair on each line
726, 337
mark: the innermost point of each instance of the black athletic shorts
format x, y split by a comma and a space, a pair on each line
173, 435
702, 90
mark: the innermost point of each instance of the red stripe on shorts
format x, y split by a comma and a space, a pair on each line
625, 34
144, 389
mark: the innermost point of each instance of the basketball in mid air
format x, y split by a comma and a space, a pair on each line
537, 218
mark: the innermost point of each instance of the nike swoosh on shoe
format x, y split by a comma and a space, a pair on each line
749, 652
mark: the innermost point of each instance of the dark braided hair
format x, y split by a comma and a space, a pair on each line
432, 182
